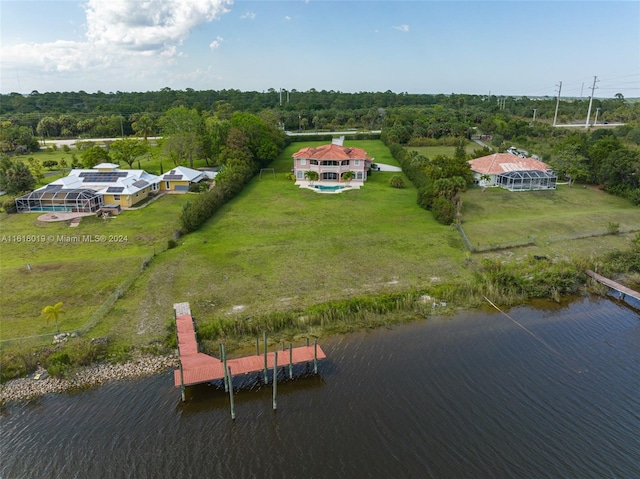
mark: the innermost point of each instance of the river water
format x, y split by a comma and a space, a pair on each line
555, 395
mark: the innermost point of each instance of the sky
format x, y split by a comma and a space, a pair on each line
515, 47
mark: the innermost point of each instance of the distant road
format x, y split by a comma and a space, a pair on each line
348, 132
73, 141
591, 125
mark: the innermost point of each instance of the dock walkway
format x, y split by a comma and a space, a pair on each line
198, 368
613, 285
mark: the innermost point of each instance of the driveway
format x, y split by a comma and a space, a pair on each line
383, 167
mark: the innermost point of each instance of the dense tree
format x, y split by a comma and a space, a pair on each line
17, 139
94, 155
568, 161
127, 150
182, 147
184, 131
15, 176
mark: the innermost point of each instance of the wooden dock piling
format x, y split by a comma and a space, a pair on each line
233, 409
275, 380
290, 361
266, 377
224, 365
315, 356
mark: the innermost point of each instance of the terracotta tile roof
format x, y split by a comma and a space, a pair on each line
505, 162
331, 152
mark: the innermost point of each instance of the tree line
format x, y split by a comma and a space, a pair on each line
120, 114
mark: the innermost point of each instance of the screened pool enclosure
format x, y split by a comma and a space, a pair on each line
56, 198
527, 180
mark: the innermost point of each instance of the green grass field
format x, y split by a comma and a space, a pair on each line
274, 247
278, 247
433, 151
74, 265
497, 216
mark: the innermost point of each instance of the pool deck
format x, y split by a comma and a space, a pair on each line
53, 216
353, 185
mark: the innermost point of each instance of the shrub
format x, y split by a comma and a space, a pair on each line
613, 228
396, 181
58, 364
50, 163
443, 210
9, 205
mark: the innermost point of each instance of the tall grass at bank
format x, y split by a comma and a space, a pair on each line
502, 283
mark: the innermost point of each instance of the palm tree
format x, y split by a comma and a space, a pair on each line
484, 180
347, 176
53, 312
144, 126
311, 176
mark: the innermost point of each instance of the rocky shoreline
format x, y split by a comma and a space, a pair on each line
28, 388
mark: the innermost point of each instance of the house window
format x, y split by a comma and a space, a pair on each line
313, 162
300, 175
136, 195
358, 175
345, 163
116, 197
357, 162
303, 162
167, 185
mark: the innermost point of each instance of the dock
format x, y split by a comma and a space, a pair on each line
197, 368
621, 289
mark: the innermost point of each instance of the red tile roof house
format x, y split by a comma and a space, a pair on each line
513, 173
331, 161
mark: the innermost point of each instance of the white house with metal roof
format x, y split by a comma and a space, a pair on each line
88, 190
180, 178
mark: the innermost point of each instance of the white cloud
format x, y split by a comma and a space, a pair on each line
248, 15
287, 18
147, 25
402, 28
119, 31
216, 43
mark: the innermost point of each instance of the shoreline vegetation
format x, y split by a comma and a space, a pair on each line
333, 318
290, 262
40, 383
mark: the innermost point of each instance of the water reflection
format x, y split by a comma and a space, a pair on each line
466, 397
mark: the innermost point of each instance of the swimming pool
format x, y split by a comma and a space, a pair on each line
329, 188
61, 209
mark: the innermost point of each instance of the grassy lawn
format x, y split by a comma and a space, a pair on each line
433, 151
275, 247
66, 266
498, 216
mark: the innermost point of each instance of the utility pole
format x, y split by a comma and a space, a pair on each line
555, 117
534, 115
593, 88
595, 122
